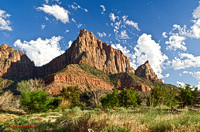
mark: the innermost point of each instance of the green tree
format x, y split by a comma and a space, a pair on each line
128, 97
72, 94
163, 95
125, 98
111, 100
188, 95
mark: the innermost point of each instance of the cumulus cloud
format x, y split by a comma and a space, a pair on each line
103, 8
196, 75
148, 49
103, 34
187, 72
4, 22
41, 51
176, 42
164, 35
185, 60
57, 11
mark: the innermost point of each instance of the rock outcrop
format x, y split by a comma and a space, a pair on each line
87, 49
74, 75
15, 63
147, 72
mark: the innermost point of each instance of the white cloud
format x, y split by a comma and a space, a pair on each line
164, 34
75, 6
43, 26
196, 75
104, 9
70, 43
167, 75
103, 34
181, 84
187, 72
133, 24
66, 31
185, 60
41, 51
79, 25
176, 42
57, 11
4, 22
148, 49
113, 17
123, 35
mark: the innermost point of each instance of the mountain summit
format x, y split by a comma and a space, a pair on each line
99, 64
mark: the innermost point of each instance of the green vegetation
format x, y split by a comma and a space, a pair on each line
163, 95
188, 95
125, 98
72, 94
33, 99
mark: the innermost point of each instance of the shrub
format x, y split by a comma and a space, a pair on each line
72, 94
34, 101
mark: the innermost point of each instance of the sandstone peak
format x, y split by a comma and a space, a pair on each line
147, 72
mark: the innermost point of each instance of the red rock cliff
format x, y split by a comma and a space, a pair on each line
14, 63
87, 49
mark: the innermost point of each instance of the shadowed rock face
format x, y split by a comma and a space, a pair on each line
15, 63
147, 72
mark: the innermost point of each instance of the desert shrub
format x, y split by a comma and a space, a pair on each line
30, 85
188, 95
34, 101
142, 97
72, 94
125, 98
162, 95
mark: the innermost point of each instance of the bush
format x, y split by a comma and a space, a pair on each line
126, 98
72, 94
34, 101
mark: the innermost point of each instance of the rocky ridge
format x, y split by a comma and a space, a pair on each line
88, 50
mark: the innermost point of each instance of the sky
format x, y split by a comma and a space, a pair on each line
165, 32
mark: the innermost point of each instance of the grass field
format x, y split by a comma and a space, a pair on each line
116, 120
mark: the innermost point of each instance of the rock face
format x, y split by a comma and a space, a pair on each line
87, 49
147, 72
14, 63
74, 75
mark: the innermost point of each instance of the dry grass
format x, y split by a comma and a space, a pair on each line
140, 120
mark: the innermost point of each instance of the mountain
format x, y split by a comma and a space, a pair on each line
15, 63
89, 63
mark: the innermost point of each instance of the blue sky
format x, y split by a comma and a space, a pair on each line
165, 32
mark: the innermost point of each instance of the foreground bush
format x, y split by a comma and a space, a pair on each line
72, 94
